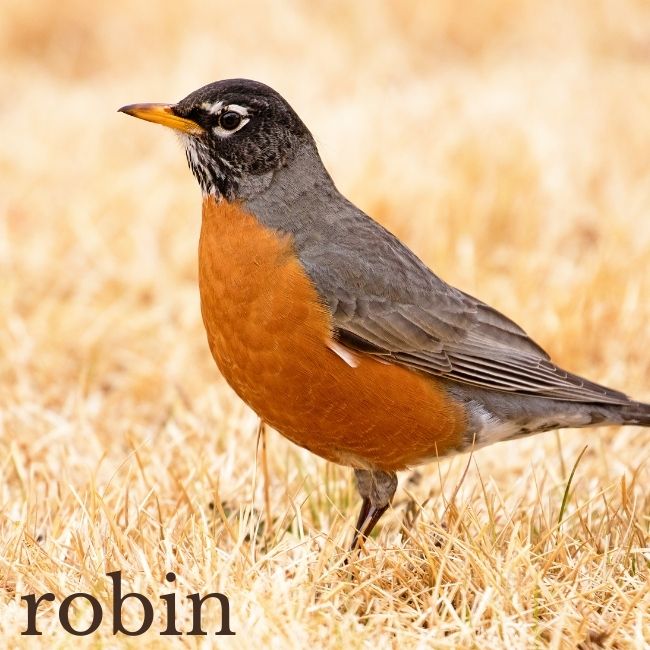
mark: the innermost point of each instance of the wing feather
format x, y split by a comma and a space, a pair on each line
386, 302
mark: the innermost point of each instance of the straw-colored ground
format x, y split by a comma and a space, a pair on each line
507, 142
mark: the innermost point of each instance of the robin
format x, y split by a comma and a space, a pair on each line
331, 329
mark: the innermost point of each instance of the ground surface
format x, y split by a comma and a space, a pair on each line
507, 142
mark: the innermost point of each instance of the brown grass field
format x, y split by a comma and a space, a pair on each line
507, 142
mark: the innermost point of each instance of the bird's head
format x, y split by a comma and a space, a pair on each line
236, 134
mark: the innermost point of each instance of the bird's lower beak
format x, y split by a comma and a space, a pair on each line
162, 114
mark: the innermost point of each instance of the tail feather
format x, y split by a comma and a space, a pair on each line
636, 413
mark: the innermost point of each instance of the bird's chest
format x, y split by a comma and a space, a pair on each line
272, 340
262, 314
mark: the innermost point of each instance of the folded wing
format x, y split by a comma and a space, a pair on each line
386, 303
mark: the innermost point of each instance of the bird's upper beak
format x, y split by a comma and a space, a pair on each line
162, 114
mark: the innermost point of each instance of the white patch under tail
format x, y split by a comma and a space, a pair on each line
490, 428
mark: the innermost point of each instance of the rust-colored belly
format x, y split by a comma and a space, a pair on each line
269, 334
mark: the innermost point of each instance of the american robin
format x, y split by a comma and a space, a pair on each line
331, 329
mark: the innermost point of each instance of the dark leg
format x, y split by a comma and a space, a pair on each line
363, 515
377, 489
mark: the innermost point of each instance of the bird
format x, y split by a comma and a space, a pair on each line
332, 330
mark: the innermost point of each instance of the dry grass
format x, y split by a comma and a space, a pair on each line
506, 141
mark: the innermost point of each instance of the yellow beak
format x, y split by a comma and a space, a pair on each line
162, 114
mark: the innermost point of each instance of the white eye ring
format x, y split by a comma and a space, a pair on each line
219, 109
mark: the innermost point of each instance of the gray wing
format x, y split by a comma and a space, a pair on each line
385, 302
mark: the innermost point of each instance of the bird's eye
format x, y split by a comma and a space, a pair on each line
229, 120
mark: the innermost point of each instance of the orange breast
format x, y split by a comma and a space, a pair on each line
269, 334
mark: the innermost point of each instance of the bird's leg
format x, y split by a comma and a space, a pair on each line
377, 489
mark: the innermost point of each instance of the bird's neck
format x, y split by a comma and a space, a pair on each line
221, 180
293, 197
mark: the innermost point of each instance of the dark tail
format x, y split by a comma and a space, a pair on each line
635, 413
